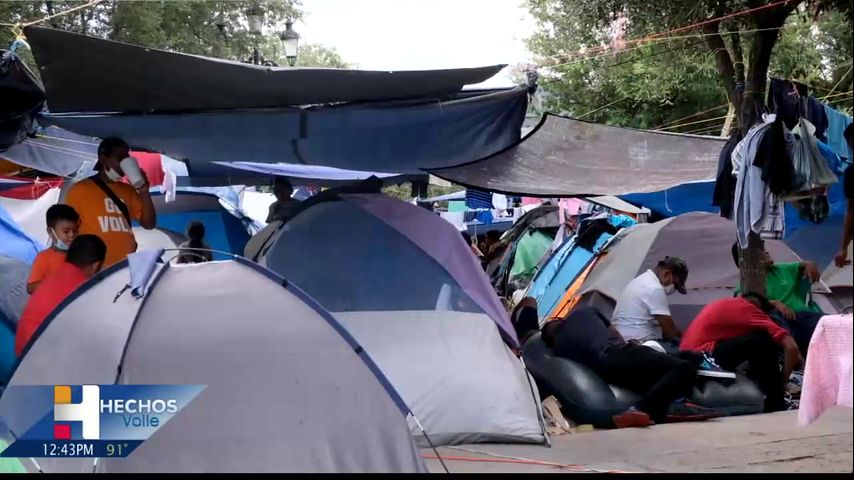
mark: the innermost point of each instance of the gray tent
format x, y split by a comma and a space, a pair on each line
288, 390
407, 286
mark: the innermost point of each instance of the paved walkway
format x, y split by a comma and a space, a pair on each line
756, 443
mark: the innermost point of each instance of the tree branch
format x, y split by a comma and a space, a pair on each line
736, 51
722, 57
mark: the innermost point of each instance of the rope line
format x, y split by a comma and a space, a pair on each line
22, 25
685, 28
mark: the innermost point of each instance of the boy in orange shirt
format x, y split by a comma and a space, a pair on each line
62, 225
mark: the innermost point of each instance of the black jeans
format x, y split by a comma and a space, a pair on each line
801, 328
660, 378
761, 354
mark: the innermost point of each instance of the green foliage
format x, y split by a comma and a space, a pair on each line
664, 80
216, 28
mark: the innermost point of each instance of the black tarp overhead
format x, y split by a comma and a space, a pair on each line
401, 137
82, 73
21, 95
565, 157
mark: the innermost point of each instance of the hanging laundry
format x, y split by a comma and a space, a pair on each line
774, 157
833, 161
817, 116
478, 199
750, 207
837, 122
820, 173
774, 222
814, 209
784, 99
724, 193
484, 216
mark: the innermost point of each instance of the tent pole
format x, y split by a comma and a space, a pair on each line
534, 398
429, 442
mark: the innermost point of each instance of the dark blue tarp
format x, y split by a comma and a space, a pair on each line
393, 137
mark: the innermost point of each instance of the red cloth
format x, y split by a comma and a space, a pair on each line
725, 319
152, 165
51, 292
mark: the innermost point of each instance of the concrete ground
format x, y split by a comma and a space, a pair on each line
757, 443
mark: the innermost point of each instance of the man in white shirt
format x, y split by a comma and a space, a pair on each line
642, 312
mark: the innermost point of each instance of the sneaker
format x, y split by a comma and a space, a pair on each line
690, 412
711, 369
631, 418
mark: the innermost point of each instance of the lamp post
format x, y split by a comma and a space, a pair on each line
290, 43
255, 17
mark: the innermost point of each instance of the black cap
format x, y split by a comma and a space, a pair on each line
679, 269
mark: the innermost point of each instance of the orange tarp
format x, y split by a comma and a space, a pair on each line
571, 297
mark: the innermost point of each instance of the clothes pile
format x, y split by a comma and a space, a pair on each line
783, 157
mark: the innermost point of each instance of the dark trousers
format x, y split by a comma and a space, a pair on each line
660, 378
801, 328
761, 354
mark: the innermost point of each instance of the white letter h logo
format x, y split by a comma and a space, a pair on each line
88, 412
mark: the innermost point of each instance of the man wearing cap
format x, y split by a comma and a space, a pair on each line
642, 313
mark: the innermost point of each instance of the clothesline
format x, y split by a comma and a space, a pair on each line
22, 25
685, 28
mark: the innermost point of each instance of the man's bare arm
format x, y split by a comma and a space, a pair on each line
669, 330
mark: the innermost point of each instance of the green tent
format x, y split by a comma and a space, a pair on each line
529, 250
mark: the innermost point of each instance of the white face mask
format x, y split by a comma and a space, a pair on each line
113, 175
670, 289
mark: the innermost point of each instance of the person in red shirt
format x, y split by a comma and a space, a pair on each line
84, 259
738, 330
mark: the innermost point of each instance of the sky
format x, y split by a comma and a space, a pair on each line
421, 34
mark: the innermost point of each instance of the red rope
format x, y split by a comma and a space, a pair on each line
577, 468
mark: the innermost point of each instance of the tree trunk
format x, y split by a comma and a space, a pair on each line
747, 101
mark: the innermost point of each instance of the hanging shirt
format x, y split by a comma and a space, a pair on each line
53, 290
836, 124
100, 216
749, 208
642, 299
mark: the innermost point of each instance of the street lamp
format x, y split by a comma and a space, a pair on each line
255, 17
290, 42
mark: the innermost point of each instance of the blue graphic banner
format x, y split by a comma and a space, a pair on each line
88, 420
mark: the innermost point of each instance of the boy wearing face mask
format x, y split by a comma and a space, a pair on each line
643, 313
107, 207
62, 224
84, 259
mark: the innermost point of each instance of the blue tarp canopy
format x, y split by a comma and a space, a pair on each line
401, 137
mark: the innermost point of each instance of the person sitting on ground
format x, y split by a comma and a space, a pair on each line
85, 257
285, 206
195, 249
62, 224
738, 330
642, 312
787, 287
587, 337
